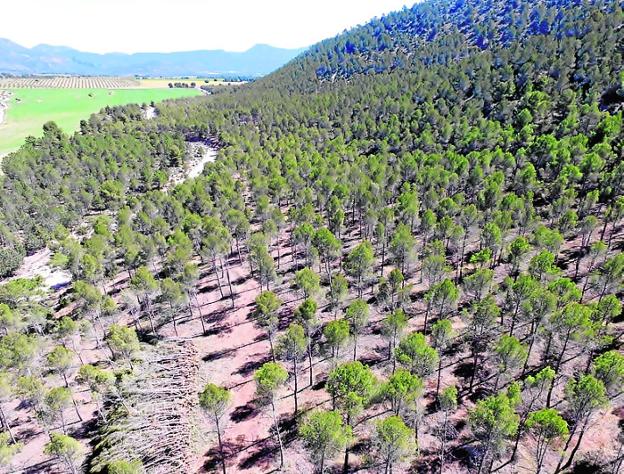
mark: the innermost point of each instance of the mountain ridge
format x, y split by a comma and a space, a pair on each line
256, 61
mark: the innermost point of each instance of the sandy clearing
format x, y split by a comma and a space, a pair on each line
207, 155
149, 112
38, 264
201, 153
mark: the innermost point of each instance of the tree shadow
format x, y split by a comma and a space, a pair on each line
86, 429
230, 450
372, 361
468, 455
218, 355
244, 412
320, 385
587, 466
425, 464
44, 466
478, 393
381, 350
215, 316
262, 456
213, 331
241, 280
463, 370
248, 367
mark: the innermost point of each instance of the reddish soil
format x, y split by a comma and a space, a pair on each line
234, 348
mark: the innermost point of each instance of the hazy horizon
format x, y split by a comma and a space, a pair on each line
232, 26
82, 50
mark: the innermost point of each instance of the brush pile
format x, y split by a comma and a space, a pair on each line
154, 419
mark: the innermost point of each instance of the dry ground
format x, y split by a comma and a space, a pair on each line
233, 348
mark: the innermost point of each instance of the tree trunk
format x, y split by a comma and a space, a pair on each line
201, 316
76, 351
474, 372
240, 258
98, 343
443, 447
577, 445
416, 433
562, 353
513, 319
230, 285
565, 447
526, 361
383, 256
173, 318
482, 460
439, 376
310, 362
216, 270
293, 249
296, 385
461, 257
279, 434
271, 344
5, 423
76, 407
426, 316
550, 391
148, 303
72, 468
578, 262
220, 444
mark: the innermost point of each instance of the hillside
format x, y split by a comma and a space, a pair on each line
45, 59
406, 257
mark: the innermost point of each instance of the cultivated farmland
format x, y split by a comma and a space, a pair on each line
29, 109
68, 82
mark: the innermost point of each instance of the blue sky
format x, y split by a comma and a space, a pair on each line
176, 25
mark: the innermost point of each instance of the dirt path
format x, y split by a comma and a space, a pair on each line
205, 154
38, 264
201, 153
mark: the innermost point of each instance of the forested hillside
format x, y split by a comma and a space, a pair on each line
407, 257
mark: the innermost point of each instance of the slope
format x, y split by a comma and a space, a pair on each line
460, 214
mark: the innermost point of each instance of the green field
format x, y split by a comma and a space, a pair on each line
29, 109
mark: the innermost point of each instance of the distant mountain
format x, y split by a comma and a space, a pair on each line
46, 59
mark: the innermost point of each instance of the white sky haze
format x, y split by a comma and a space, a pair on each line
179, 25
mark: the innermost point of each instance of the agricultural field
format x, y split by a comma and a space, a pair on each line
162, 82
68, 82
29, 109
103, 82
